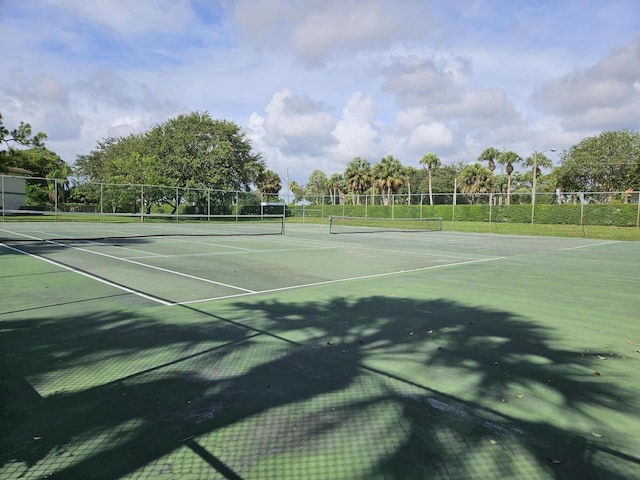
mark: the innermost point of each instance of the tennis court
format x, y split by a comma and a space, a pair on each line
386, 355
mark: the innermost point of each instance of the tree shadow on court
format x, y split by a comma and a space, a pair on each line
485, 392
328, 381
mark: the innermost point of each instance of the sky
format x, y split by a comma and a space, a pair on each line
315, 83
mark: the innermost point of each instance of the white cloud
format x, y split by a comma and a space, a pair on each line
452, 77
129, 18
315, 29
428, 137
598, 97
356, 133
296, 124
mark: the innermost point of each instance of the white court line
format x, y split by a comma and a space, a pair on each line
340, 280
590, 245
153, 267
92, 277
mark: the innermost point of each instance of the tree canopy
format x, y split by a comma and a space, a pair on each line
607, 162
191, 150
269, 182
23, 136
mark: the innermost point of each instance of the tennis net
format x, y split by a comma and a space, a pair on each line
342, 224
49, 226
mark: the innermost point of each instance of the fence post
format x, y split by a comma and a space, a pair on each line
393, 203
55, 199
581, 197
455, 199
638, 217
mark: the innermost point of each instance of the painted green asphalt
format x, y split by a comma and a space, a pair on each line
475, 370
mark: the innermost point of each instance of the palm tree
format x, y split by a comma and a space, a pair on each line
387, 175
408, 173
336, 187
542, 161
508, 158
431, 161
357, 176
475, 180
490, 155
269, 183
297, 190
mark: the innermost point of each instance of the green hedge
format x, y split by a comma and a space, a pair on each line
619, 215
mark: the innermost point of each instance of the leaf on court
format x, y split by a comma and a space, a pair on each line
37, 438
601, 357
503, 400
493, 442
520, 396
597, 435
555, 461
596, 373
628, 341
329, 343
430, 331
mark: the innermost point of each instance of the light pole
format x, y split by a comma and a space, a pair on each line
533, 182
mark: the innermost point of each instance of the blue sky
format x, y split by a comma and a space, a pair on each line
316, 83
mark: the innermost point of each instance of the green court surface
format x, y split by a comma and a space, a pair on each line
307, 355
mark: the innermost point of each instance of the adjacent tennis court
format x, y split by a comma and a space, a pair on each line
195, 353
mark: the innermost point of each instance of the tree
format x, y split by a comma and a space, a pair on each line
191, 150
387, 175
317, 185
607, 162
40, 161
269, 183
298, 191
194, 150
357, 177
336, 188
541, 161
508, 158
410, 173
475, 180
430, 161
490, 155
18, 136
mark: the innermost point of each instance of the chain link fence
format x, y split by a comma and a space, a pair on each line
43, 196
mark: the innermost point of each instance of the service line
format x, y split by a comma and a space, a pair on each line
340, 280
